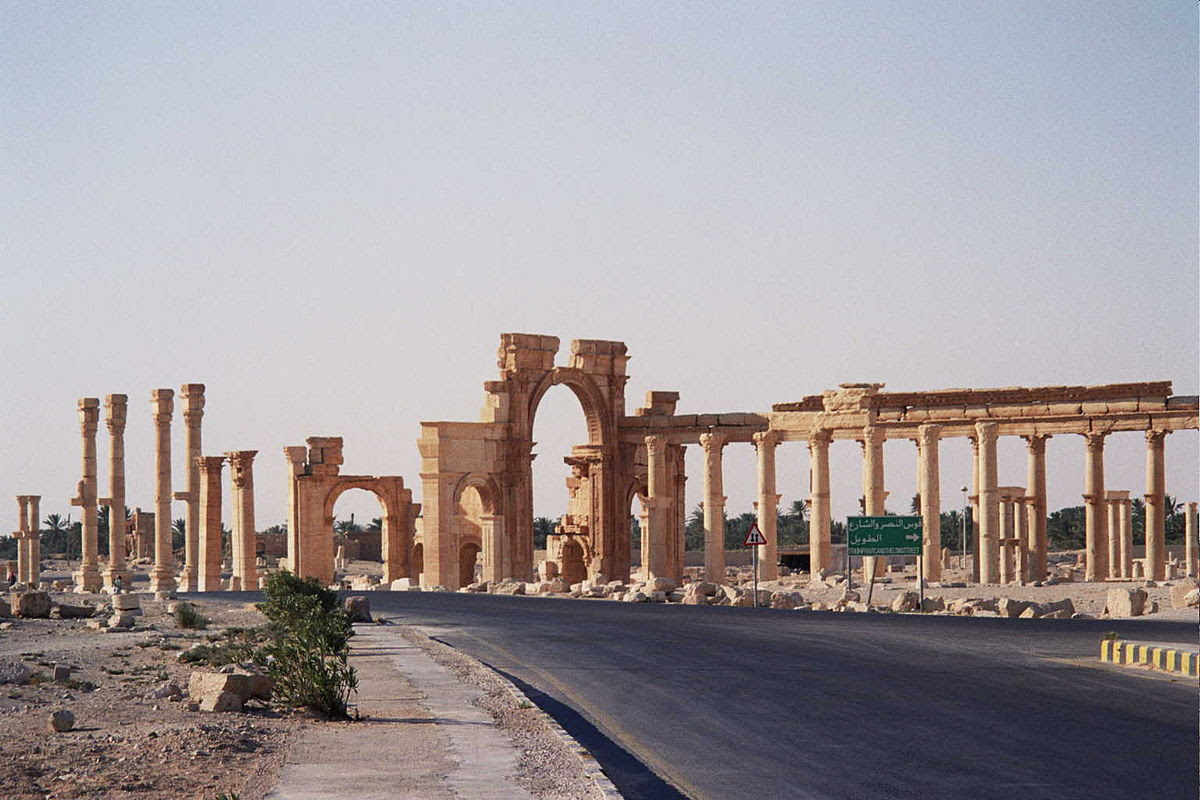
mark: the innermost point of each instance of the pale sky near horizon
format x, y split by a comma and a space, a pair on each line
328, 212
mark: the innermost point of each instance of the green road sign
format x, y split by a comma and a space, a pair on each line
884, 536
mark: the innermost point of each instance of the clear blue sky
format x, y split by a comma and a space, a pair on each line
327, 212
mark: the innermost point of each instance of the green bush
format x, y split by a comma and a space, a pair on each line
308, 648
186, 616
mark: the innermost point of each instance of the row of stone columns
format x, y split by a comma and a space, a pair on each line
29, 552
1010, 521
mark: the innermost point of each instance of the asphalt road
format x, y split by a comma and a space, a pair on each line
726, 703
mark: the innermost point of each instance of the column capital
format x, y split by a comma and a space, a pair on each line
1094, 440
656, 443
116, 407
1035, 443
767, 439
871, 435
164, 405
820, 437
987, 431
211, 464
1155, 437
713, 441
928, 434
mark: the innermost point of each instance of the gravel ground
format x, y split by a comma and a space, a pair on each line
126, 743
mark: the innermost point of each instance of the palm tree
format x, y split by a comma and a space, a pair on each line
56, 522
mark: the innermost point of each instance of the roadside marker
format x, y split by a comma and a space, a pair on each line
755, 539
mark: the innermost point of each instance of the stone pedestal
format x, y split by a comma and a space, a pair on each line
162, 576
713, 444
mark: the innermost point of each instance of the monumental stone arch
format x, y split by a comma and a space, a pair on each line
495, 457
314, 485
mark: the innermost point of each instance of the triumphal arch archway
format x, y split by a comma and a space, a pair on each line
494, 456
315, 483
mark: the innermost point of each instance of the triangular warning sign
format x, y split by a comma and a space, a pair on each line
754, 536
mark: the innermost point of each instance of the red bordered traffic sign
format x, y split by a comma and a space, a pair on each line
754, 536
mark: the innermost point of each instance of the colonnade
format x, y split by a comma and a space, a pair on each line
29, 552
1010, 521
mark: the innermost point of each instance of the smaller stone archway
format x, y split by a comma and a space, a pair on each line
315, 483
476, 498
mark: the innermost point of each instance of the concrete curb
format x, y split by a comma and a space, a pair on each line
1176, 659
591, 767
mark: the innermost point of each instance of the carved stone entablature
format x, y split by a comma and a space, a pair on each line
850, 397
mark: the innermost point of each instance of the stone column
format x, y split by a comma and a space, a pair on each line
1112, 528
765, 443
87, 579
1125, 528
973, 498
492, 534
115, 408
820, 548
1095, 546
1007, 532
193, 413
1035, 507
677, 541
208, 550
713, 444
162, 576
241, 473
1191, 551
1021, 524
23, 552
989, 503
1156, 534
929, 487
658, 502
874, 495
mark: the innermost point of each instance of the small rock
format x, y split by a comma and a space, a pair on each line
906, 601
169, 690
358, 608
1125, 602
61, 721
120, 622
14, 672
61, 673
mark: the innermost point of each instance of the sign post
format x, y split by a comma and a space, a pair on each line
884, 536
755, 539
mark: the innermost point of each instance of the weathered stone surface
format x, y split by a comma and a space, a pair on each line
61, 673
1185, 594
358, 608
122, 622
1010, 608
14, 672
663, 585
906, 601
933, 604
129, 604
1058, 605
558, 586
216, 691
64, 611
787, 600
61, 721
1125, 602
405, 585
31, 605
169, 690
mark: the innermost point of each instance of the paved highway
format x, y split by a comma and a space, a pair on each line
726, 703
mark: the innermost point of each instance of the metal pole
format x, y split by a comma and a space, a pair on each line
921, 579
754, 559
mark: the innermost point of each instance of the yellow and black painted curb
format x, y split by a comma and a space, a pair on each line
1164, 657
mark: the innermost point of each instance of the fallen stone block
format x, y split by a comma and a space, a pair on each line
358, 608
217, 691
933, 604
14, 672
1010, 608
120, 622
785, 600
663, 585
31, 605
1125, 602
129, 604
1185, 594
64, 611
906, 601
61, 673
